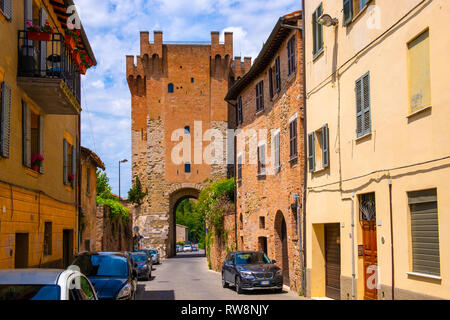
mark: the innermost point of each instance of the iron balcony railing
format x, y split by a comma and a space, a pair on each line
49, 59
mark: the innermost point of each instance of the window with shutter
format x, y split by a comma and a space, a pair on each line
74, 166
41, 142
7, 7
271, 83
277, 164
348, 11
239, 163
293, 139
262, 160
425, 232
65, 162
239, 111
291, 56
260, 96
26, 135
317, 32
363, 116
325, 147
5, 120
311, 152
277, 75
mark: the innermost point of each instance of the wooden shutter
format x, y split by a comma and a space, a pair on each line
41, 142
240, 167
257, 96
261, 95
363, 114
65, 161
311, 152
348, 11
277, 74
317, 31
325, 147
74, 165
26, 135
5, 118
7, 9
425, 231
271, 83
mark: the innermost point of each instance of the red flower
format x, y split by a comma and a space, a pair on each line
71, 177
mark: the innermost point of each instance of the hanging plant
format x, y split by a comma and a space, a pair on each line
72, 39
71, 177
76, 57
36, 161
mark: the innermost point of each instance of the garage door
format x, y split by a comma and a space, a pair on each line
333, 261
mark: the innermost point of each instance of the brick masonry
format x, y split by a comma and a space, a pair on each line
200, 76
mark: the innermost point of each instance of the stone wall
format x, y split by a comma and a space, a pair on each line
219, 247
112, 235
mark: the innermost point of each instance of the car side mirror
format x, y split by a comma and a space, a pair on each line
274, 261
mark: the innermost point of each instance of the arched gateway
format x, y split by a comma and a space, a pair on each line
177, 90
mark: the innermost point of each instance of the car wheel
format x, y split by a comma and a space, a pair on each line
238, 285
224, 283
278, 290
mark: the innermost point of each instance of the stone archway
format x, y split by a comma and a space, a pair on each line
177, 194
281, 245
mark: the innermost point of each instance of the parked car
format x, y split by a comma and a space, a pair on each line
149, 255
143, 265
194, 248
187, 248
179, 248
111, 273
45, 284
155, 256
251, 270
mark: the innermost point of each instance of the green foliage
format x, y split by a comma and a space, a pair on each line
136, 195
188, 216
105, 197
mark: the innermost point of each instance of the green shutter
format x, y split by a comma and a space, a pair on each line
348, 11
7, 9
311, 153
74, 165
325, 147
26, 135
363, 112
5, 120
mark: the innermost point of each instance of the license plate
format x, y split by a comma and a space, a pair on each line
264, 283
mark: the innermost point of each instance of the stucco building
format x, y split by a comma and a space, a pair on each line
40, 122
182, 233
178, 92
269, 149
378, 111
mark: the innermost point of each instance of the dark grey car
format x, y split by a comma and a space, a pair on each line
251, 270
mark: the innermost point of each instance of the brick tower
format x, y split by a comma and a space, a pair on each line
176, 86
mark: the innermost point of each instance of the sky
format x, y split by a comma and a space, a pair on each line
113, 27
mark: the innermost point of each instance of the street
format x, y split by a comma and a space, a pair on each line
186, 277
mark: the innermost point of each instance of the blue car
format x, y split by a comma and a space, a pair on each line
112, 274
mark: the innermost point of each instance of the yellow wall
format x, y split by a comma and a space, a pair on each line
58, 203
397, 139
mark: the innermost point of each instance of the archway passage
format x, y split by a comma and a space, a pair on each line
178, 198
281, 246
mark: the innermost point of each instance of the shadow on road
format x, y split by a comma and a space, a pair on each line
190, 255
155, 295
259, 292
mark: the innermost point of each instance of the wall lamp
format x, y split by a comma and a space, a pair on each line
327, 21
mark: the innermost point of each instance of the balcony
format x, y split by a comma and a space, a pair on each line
48, 75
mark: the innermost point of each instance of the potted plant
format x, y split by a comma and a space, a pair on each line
36, 162
36, 33
86, 62
72, 39
71, 178
76, 56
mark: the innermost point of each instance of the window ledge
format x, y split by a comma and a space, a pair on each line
319, 170
32, 173
317, 54
259, 112
424, 275
409, 116
293, 158
364, 136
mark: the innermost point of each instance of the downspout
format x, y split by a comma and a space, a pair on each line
392, 238
352, 237
79, 184
305, 152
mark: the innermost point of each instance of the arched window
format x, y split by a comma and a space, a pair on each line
170, 88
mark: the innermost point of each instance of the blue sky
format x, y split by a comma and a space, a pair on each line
113, 29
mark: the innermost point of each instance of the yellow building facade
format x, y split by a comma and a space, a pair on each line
378, 111
40, 115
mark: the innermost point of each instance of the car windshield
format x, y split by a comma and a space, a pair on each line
27, 292
251, 258
139, 257
102, 265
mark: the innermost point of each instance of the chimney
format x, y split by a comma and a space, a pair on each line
247, 63
158, 38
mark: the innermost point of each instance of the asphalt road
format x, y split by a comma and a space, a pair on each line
186, 277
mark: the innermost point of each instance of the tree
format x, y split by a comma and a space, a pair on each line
136, 195
103, 187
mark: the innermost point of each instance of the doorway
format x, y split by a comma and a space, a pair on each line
333, 261
67, 247
21, 251
262, 244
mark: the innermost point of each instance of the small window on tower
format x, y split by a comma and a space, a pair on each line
192, 80
187, 167
170, 88
187, 130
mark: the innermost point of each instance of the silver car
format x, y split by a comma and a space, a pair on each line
155, 256
45, 284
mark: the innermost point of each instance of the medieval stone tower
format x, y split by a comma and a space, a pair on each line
176, 86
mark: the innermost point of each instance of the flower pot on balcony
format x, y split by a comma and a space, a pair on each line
39, 36
83, 69
76, 58
35, 167
70, 43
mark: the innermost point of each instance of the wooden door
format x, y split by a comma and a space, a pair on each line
370, 259
67, 247
333, 261
21, 251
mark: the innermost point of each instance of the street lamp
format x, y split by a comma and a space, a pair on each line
122, 161
327, 21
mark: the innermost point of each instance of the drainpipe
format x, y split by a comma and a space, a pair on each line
305, 150
392, 238
352, 237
